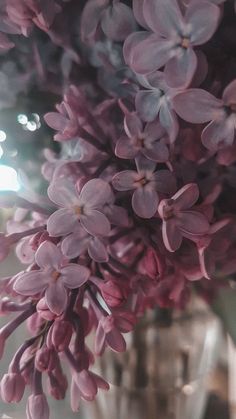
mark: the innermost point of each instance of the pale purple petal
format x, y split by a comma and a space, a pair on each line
158, 153
144, 165
48, 255
203, 18
116, 340
163, 16
207, 263
56, 297
197, 106
90, 18
95, 193
151, 54
125, 149
75, 244
172, 237
31, 283
73, 275
86, 384
186, 197
180, 70
117, 215
62, 222
229, 94
118, 21
218, 133
153, 131
138, 12
192, 222
95, 223
97, 250
56, 121
147, 103
145, 202
131, 42
168, 120
132, 124
63, 193
125, 181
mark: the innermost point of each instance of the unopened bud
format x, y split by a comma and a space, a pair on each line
12, 387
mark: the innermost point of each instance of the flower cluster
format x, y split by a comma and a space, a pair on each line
139, 207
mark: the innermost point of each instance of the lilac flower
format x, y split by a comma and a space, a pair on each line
83, 207
80, 241
199, 106
85, 385
146, 183
179, 220
155, 101
37, 407
173, 38
12, 387
116, 20
150, 141
53, 277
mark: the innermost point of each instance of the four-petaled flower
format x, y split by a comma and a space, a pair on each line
199, 106
146, 183
179, 220
172, 40
53, 277
150, 141
84, 207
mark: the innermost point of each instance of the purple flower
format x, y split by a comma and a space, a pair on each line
155, 101
84, 207
173, 38
37, 407
146, 183
53, 277
199, 106
12, 387
150, 141
179, 220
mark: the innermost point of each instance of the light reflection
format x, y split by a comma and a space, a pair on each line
3, 136
22, 119
31, 126
1, 151
8, 179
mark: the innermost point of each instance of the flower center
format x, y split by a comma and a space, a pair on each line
185, 43
78, 210
55, 275
140, 142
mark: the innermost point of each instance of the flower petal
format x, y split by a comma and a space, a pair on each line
63, 193
218, 133
168, 120
48, 255
124, 181
95, 223
151, 54
172, 237
75, 244
229, 94
163, 16
145, 201
97, 250
138, 12
186, 197
31, 283
159, 151
56, 121
180, 70
62, 222
56, 297
197, 106
73, 275
192, 222
118, 21
164, 181
125, 149
203, 17
147, 103
133, 125
131, 42
95, 193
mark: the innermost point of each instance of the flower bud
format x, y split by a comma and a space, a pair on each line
44, 311
37, 407
112, 294
60, 335
12, 387
46, 359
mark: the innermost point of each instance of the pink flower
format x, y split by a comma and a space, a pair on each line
150, 141
59, 335
53, 277
85, 385
179, 220
84, 207
146, 183
173, 38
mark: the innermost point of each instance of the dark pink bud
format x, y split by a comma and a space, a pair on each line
37, 407
46, 359
12, 387
60, 335
152, 264
35, 323
44, 311
112, 294
57, 386
2, 344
